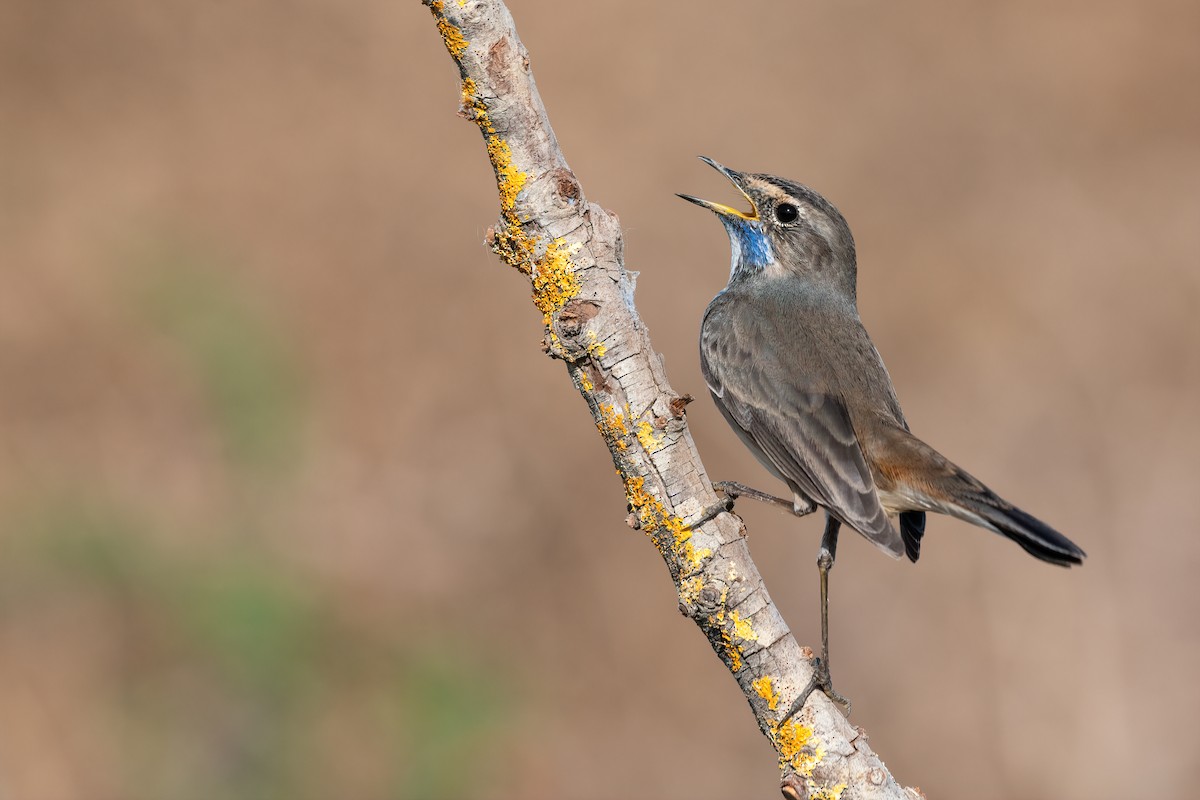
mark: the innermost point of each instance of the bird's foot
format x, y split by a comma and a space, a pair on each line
734, 490
712, 512
819, 680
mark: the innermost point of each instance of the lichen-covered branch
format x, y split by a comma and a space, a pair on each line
572, 254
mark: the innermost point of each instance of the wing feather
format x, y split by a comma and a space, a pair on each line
806, 434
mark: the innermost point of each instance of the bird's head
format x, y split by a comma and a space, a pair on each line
789, 231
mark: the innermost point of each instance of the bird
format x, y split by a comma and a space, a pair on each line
790, 366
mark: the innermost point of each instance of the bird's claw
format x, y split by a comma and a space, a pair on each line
819, 680
716, 509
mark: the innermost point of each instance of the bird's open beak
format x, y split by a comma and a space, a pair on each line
736, 179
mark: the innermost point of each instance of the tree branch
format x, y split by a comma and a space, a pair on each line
571, 251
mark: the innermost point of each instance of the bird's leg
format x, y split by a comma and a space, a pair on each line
733, 490
825, 557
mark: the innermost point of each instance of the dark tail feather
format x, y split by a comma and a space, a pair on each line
939, 485
1035, 537
912, 528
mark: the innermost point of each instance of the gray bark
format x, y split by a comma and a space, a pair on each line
571, 252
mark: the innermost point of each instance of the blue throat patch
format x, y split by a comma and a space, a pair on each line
751, 247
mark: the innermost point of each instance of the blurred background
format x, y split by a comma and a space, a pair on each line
292, 504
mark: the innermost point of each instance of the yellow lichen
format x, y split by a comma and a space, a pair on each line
654, 518
451, 35
510, 179
732, 651
689, 590
612, 425
798, 748
596, 348
512, 244
551, 267
645, 435
554, 281
766, 692
585, 382
636, 492
827, 792
453, 38
470, 101
741, 628
683, 546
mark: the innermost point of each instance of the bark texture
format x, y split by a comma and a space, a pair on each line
571, 252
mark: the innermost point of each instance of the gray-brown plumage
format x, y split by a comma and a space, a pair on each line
794, 373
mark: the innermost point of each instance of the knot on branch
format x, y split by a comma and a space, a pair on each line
793, 787
567, 190
571, 320
707, 601
569, 337
678, 404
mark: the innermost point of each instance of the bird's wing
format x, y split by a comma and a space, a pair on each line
806, 434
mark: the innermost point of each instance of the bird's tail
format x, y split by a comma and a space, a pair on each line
934, 483
1036, 537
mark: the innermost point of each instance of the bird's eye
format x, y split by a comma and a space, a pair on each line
786, 212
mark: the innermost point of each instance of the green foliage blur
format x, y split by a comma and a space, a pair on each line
228, 669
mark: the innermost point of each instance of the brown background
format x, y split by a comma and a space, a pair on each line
293, 506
